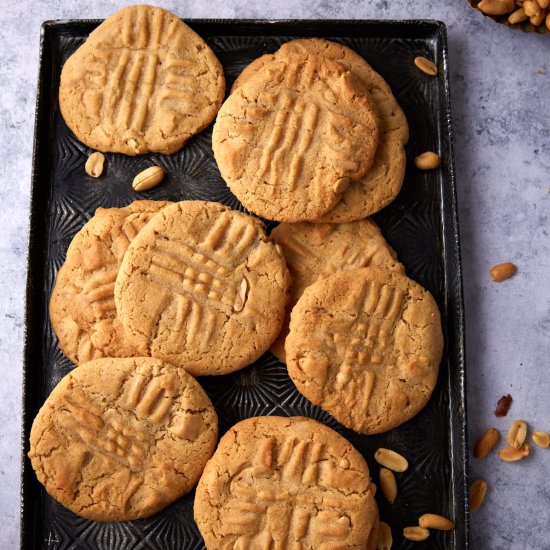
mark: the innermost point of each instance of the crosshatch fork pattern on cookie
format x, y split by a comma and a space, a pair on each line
289, 506
125, 93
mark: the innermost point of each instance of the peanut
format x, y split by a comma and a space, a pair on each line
427, 161
486, 443
542, 439
478, 490
416, 533
538, 19
149, 178
94, 164
517, 434
435, 521
548, 21
391, 459
503, 271
517, 17
531, 8
425, 65
544, 4
496, 7
240, 298
385, 540
509, 454
388, 484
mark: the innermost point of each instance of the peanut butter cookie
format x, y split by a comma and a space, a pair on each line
143, 81
381, 184
202, 288
365, 345
120, 439
291, 140
293, 482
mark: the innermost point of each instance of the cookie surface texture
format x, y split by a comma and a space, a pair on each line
312, 249
119, 439
143, 81
289, 141
381, 184
202, 288
82, 305
277, 482
365, 345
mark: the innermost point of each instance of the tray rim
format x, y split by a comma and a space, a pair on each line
450, 232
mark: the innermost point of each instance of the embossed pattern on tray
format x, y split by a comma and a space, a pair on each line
420, 225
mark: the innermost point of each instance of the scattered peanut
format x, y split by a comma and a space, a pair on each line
509, 454
94, 164
544, 4
503, 271
388, 484
517, 434
425, 65
416, 534
486, 443
385, 540
548, 21
149, 178
478, 490
542, 439
435, 521
496, 7
427, 161
391, 459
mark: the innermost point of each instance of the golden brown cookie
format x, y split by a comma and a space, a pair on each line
277, 482
289, 141
82, 305
202, 288
312, 249
143, 81
381, 184
120, 439
365, 345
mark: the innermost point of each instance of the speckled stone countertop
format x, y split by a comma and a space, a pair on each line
500, 84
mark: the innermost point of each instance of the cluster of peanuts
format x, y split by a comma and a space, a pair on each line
394, 462
518, 11
516, 450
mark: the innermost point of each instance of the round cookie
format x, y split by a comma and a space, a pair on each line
313, 249
82, 306
365, 345
277, 482
381, 184
202, 288
143, 81
120, 439
289, 141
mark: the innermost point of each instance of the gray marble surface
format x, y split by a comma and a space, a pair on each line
500, 83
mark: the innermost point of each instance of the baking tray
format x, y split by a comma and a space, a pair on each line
421, 225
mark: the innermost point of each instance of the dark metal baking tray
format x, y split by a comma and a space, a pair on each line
421, 225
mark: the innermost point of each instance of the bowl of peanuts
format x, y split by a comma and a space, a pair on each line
526, 15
